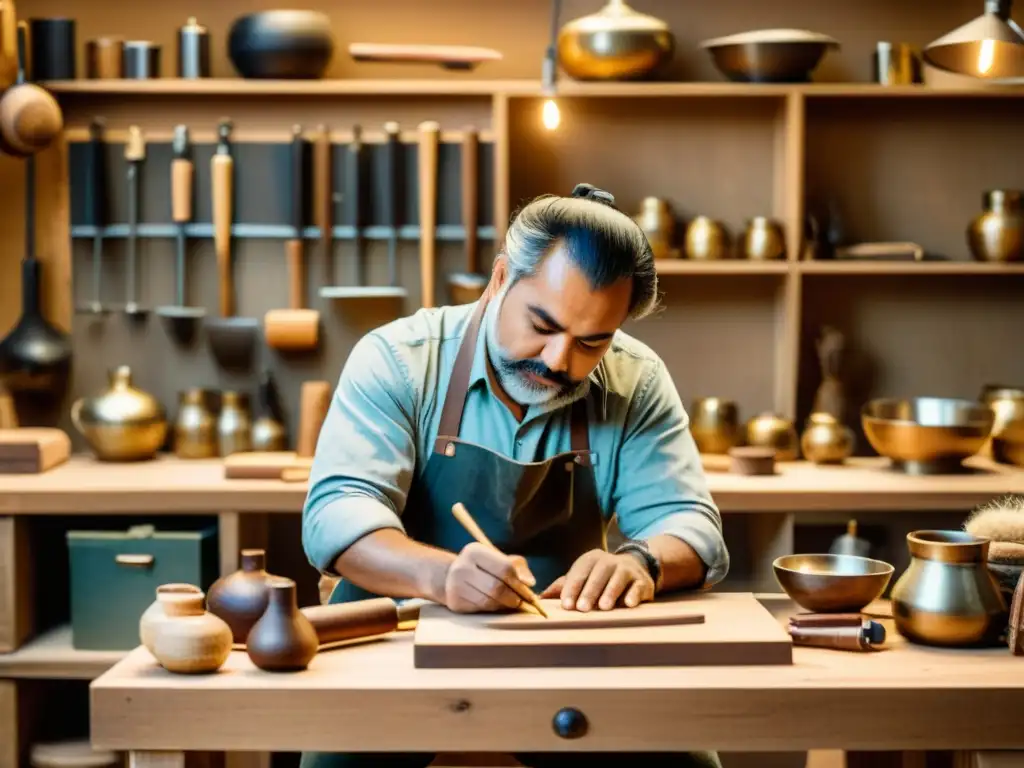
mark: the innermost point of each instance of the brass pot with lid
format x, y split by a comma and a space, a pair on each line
123, 423
615, 43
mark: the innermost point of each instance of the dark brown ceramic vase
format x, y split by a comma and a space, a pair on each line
240, 598
283, 640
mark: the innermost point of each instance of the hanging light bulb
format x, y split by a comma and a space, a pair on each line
551, 115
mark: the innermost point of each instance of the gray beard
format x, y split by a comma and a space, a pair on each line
518, 387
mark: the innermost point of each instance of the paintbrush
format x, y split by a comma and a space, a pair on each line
529, 598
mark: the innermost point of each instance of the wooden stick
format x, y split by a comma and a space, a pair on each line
463, 516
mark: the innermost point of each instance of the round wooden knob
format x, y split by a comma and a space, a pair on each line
30, 119
570, 723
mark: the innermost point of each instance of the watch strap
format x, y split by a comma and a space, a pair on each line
642, 549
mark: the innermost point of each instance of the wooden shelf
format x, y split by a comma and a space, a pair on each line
725, 267
51, 655
908, 268
524, 87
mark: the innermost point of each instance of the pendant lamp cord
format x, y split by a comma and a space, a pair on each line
550, 57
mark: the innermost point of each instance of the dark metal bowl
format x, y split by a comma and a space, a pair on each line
770, 55
832, 583
284, 44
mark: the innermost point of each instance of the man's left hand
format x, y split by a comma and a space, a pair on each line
603, 580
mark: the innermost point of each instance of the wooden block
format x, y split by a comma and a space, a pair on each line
30, 450
270, 465
16, 584
736, 629
15, 723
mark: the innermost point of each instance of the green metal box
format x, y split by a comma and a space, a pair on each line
114, 576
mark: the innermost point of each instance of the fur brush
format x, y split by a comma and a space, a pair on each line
1001, 520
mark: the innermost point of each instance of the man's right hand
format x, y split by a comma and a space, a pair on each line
479, 580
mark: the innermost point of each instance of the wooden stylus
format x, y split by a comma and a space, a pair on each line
463, 516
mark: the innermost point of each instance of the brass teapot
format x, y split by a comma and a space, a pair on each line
123, 423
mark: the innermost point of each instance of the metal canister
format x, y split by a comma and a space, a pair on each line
193, 50
104, 58
141, 60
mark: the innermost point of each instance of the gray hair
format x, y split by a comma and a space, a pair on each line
599, 239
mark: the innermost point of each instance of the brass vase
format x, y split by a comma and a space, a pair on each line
997, 234
715, 424
769, 430
763, 240
947, 596
826, 440
656, 220
706, 240
122, 423
195, 427
234, 424
616, 43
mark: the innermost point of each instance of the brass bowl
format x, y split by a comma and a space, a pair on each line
615, 43
832, 583
927, 435
769, 55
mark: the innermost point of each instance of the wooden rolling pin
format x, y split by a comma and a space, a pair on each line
428, 150
314, 400
344, 622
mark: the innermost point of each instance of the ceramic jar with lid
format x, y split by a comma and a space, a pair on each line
189, 639
123, 423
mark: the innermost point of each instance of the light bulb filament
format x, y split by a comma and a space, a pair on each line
551, 115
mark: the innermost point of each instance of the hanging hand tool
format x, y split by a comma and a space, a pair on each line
466, 287
393, 180
135, 154
353, 193
323, 194
95, 211
428, 150
232, 339
294, 328
181, 318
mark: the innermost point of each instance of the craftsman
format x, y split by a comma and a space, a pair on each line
535, 410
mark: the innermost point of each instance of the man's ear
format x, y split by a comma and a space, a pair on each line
499, 274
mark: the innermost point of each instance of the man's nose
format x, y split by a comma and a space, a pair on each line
558, 353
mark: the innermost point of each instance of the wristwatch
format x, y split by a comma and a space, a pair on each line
641, 549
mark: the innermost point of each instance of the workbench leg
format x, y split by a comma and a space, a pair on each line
770, 536
144, 759
237, 531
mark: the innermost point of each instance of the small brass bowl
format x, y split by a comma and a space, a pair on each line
832, 583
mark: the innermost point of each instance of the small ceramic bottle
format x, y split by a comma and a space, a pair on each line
240, 598
152, 616
283, 640
189, 639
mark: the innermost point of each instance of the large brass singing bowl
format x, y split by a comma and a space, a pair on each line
927, 435
832, 583
770, 55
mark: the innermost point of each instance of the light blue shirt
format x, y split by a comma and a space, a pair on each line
383, 419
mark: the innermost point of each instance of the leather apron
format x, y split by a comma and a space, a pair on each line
546, 511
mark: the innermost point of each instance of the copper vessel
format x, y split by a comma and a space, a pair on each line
826, 440
195, 427
769, 430
763, 240
997, 234
123, 423
1007, 443
616, 43
656, 220
715, 424
947, 596
706, 240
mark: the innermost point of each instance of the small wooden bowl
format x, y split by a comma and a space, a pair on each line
752, 460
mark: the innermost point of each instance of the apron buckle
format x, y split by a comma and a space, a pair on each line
449, 449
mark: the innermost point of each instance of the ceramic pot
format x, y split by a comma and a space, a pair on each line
656, 220
997, 234
281, 44
826, 440
763, 240
616, 43
195, 428
715, 424
706, 240
768, 430
189, 639
123, 423
947, 596
154, 614
240, 598
283, 640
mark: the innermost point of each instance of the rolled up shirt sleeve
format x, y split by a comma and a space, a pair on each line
365, 455
660, 486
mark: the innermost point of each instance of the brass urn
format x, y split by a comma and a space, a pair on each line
616, 43
997, 234
715, 424
706, 240
769, 430
826, 440
122, 423
656, 220
763, 240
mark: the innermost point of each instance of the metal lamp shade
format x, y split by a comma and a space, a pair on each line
989, 47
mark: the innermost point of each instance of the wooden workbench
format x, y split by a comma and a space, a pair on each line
170, 485
370, 697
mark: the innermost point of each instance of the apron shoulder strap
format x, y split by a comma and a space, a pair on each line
579, 435
458, 385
